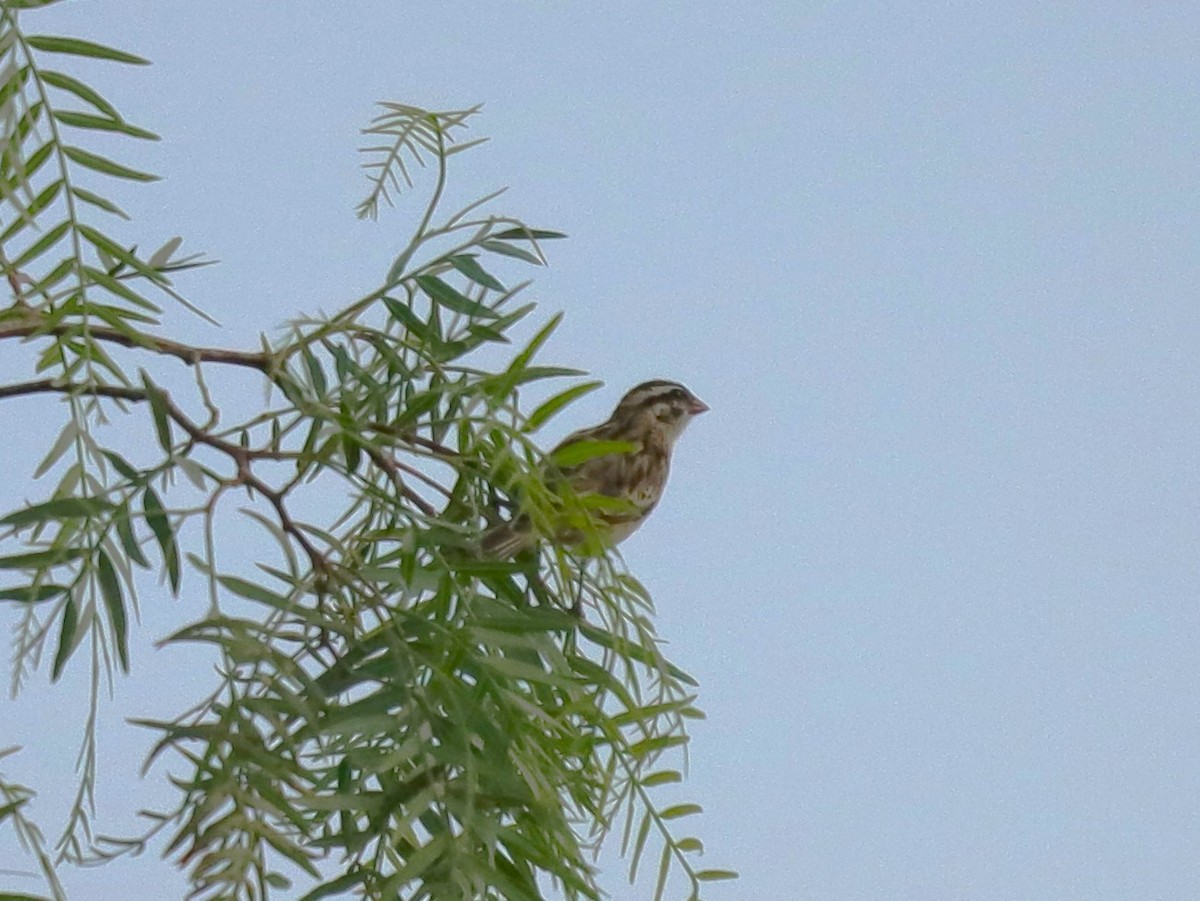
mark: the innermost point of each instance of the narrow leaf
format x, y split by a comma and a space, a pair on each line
548, 408
664, 868
662, 777
521, 361
128, 538
441, 293
160, 525
33, 594
680, 810
162, 256
580, 451
528, 234
100, 202
102, 123
66, 639
403, 314
59, 508
79, 89
110, 591
76, 47
315, 373
715, 875
41, 245
41, 559
467, 264
158, 409
104, 165
64, 440
122, 465
509, 251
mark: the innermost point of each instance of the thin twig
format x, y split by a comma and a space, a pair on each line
391, 468
410, 437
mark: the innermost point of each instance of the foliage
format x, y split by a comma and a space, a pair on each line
395, 716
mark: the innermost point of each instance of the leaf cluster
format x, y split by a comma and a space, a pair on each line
395, 715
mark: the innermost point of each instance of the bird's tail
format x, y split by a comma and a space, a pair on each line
508, 539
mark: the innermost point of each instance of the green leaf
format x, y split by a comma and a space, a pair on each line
104, 244
163, 255
42, 559
17, 78
315, 372
531, 619
509, 251
254, 592
97, 201
715, 875
102, 123
656, 744
128, 538
548, 408
536, 373
517, 669
352, 451
59, 508
122, 465
79, 89
650, 712
110, 591
680, 810
580, 451
33, 594
521, 362
64, 440
403, 314
104, 165
41, 245
76, 47
418, 405
66, 639
194, 473
442, 294
158, 408
662, 777
44, 198
22, 178
53, 277
664, 868
160, 525
115, 316
639, 846
467, 264
513, 234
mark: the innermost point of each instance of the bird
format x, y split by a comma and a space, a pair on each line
649, 419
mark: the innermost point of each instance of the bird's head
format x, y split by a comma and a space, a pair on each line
663, 406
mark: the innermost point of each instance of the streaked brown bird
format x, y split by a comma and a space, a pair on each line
650, 417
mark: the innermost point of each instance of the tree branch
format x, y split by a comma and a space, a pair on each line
31, 325
242, 456
50, 386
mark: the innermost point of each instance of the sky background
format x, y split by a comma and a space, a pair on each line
933, 556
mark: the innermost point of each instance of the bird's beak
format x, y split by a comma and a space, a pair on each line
697, 406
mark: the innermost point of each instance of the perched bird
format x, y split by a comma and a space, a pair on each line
651, 417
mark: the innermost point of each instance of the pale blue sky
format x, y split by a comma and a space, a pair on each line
934, 554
